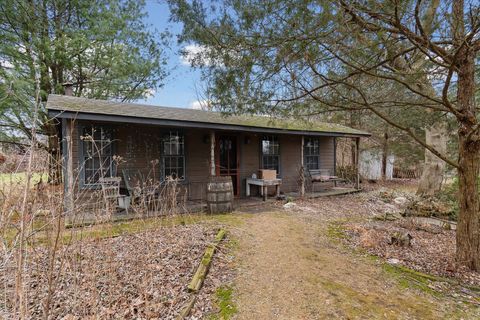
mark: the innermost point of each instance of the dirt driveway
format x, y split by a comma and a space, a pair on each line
289, 267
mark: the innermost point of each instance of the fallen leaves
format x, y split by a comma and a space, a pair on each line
432, 248
142, 276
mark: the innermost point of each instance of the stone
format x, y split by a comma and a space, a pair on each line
401, 201
390, 208
393, 261
402, 239
392, 216
289, 205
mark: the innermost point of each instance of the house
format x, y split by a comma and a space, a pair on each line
190, 145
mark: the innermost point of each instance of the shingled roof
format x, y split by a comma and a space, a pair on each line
61, 106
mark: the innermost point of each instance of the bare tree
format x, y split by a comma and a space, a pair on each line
415, 57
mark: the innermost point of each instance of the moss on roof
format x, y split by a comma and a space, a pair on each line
112, 108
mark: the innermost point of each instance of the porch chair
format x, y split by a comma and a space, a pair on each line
111, 193
322, 176
133, 180
138, 188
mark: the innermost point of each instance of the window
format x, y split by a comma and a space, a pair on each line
271, 153
173, 156
311, 153
97, 153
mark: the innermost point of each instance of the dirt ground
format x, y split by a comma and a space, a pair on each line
291, 267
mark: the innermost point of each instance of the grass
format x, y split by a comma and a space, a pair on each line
224, 301
408, 278
336, 231
7, 179
118, 228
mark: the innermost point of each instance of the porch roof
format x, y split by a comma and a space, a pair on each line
61, 106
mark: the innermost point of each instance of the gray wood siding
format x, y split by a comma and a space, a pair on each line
290, 162
197, 151
327, 153
138, 148
249, 158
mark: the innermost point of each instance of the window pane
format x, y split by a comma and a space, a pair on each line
97, 153
106, 135
311, 152
271, 162
107, 148
97, 133
87, 148
96, 176
270, 145
173, 155
88, 164
265, 147
270, 153
96, 163
312, 162
311, 147
172, 144
88, 175
181, 175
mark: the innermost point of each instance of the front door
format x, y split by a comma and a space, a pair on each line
227, 163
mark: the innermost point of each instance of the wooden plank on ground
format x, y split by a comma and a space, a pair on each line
204, 264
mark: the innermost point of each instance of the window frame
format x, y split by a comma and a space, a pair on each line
310, 154
182, 155
83, 156
276, 139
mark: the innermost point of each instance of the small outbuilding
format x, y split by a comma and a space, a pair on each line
114, 139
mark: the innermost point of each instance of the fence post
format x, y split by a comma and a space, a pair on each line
302, 170
357, 162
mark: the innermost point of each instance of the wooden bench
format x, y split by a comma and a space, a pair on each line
323, 176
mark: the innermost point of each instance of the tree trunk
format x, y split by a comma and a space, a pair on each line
434, 169
54, 154
354, 119
384, 156
468, 226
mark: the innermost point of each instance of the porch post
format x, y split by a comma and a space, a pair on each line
67, 132
357, 162
212, 153
302, 170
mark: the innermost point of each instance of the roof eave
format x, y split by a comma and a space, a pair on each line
59, 114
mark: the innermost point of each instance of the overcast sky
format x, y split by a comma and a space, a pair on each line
182, 85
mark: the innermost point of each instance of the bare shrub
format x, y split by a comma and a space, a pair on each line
78, 261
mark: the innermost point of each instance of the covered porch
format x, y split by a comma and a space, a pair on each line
163, 158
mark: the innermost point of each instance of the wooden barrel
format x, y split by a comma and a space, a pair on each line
220, 195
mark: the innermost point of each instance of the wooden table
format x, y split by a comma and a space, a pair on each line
263, 184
